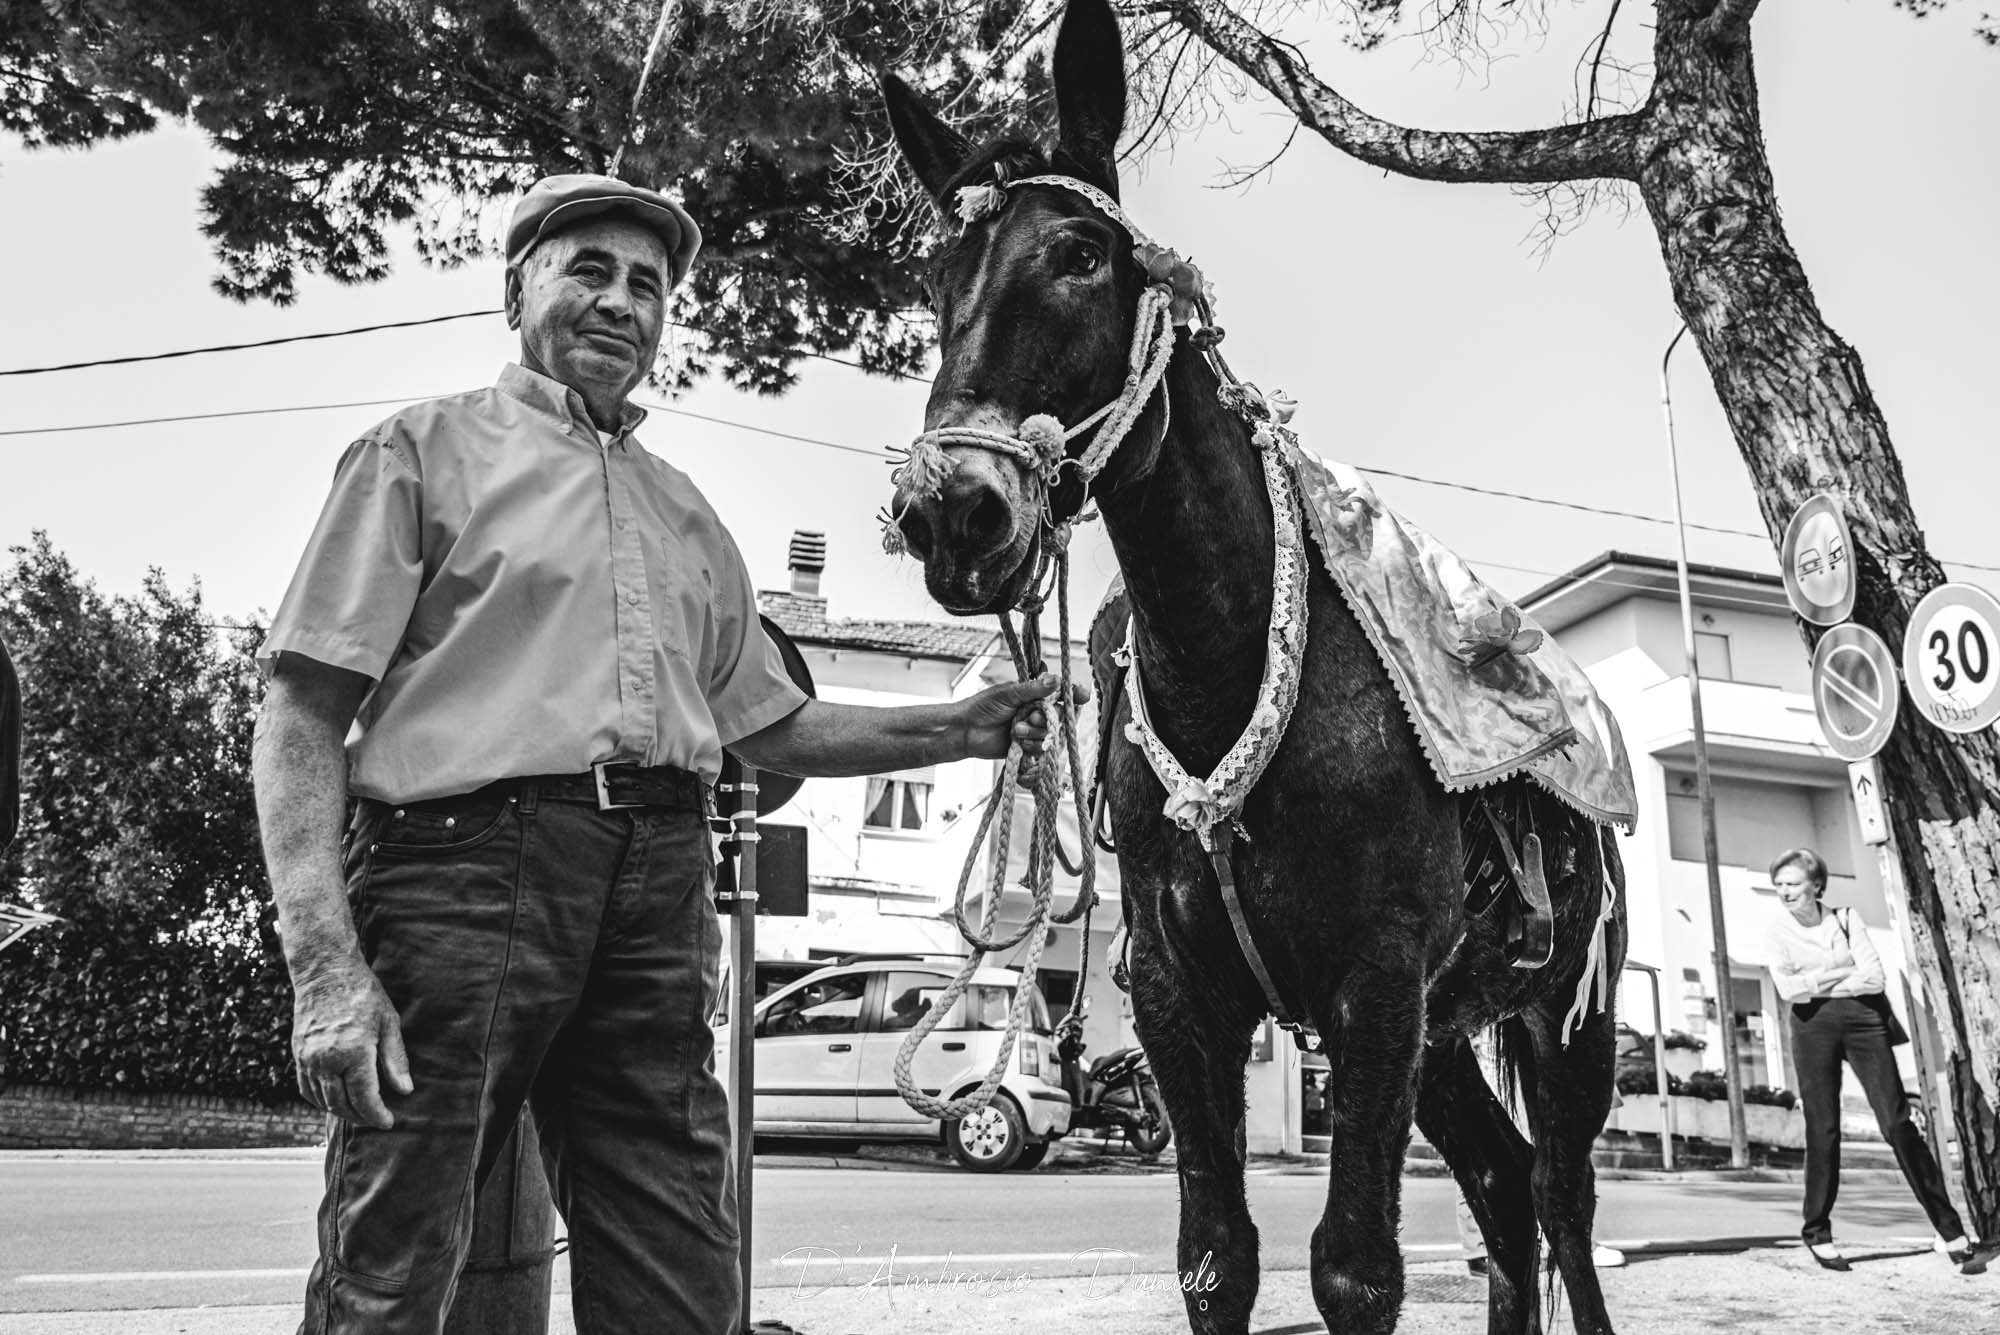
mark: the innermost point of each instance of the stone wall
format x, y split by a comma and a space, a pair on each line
38, 1117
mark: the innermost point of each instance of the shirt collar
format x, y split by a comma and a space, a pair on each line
560, 401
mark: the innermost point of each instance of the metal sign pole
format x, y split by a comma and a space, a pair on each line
742, 903
742, 805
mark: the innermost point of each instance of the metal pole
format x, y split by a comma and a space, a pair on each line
1725, 989
742, 1063
1659, 1065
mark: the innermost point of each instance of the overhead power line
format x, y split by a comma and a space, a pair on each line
822, 443
138, 357
244, 347
1576, 506
204, 417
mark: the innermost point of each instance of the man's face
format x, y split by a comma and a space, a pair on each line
590, 302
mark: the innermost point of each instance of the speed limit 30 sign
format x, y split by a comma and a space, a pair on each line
1951, 657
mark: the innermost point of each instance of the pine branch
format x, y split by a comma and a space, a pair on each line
1596, 148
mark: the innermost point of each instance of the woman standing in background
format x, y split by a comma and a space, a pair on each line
1824, 964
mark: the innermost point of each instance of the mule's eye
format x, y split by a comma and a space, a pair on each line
1081, 258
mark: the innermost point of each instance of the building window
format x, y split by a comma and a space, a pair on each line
900, 803
1755, 820
1711, 656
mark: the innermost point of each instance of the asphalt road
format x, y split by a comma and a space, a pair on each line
122, 1232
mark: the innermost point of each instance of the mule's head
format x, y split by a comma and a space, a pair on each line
1035, 303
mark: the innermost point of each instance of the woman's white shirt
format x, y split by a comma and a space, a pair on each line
1838, 939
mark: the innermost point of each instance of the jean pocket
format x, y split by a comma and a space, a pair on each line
441, 828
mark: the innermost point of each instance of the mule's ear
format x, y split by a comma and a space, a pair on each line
933, 149
1090, 86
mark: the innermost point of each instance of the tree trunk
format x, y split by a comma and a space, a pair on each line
1805, 421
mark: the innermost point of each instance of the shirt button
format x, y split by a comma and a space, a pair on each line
632, 598
399, 813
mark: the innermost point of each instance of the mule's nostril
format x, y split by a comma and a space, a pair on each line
984, 520
917, 535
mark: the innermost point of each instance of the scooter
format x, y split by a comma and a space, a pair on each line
1116, 1093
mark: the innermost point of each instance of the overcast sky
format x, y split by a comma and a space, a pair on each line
1417, 328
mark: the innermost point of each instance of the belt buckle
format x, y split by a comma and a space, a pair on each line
604, 802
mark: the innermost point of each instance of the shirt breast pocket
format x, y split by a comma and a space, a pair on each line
681, 599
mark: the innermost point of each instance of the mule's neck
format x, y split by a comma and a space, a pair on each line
1194, 543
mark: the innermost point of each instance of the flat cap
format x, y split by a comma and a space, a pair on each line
555, 202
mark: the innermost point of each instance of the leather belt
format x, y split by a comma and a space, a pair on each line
615, 785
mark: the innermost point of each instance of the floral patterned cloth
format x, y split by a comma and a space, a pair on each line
1489, 694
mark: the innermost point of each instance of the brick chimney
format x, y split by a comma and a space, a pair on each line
808, 559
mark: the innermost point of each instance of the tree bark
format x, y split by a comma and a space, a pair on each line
1804, 419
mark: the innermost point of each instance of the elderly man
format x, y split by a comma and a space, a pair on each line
521, 641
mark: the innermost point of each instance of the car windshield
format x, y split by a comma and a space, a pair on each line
987, 1007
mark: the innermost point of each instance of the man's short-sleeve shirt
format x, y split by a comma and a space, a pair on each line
527, 600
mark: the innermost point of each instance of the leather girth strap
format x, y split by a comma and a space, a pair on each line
1302, 1031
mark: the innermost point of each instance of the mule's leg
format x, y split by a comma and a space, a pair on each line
1571, 1096
1489, 1159
1199, 1045
1357, 1263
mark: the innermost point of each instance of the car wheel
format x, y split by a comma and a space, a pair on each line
990, 1139
1032, 1156
1152, 1134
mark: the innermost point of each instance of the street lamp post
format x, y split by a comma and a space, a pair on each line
1725, 990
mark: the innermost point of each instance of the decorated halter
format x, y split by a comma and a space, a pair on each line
1175, 297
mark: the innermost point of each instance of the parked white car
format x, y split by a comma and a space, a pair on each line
826, 1048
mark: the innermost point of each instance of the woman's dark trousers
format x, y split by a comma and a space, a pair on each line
1823, 1033
539, 952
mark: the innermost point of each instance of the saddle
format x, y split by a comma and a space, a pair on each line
1499, 870
1499, 873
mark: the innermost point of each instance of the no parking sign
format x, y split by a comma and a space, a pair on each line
1951, 657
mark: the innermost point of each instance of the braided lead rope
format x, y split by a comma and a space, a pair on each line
1017, 1017
1039, 879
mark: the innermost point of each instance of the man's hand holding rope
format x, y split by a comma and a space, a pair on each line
1000, 717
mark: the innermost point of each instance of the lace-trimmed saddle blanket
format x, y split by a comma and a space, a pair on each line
1489, 694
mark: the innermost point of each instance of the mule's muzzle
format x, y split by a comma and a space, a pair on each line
975, 540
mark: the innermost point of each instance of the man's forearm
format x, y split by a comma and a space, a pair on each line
299, 764
825, 740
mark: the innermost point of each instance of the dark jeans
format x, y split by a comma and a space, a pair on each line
538, 951
1824, 1032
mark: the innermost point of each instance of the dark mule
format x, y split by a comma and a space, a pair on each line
1353, 874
